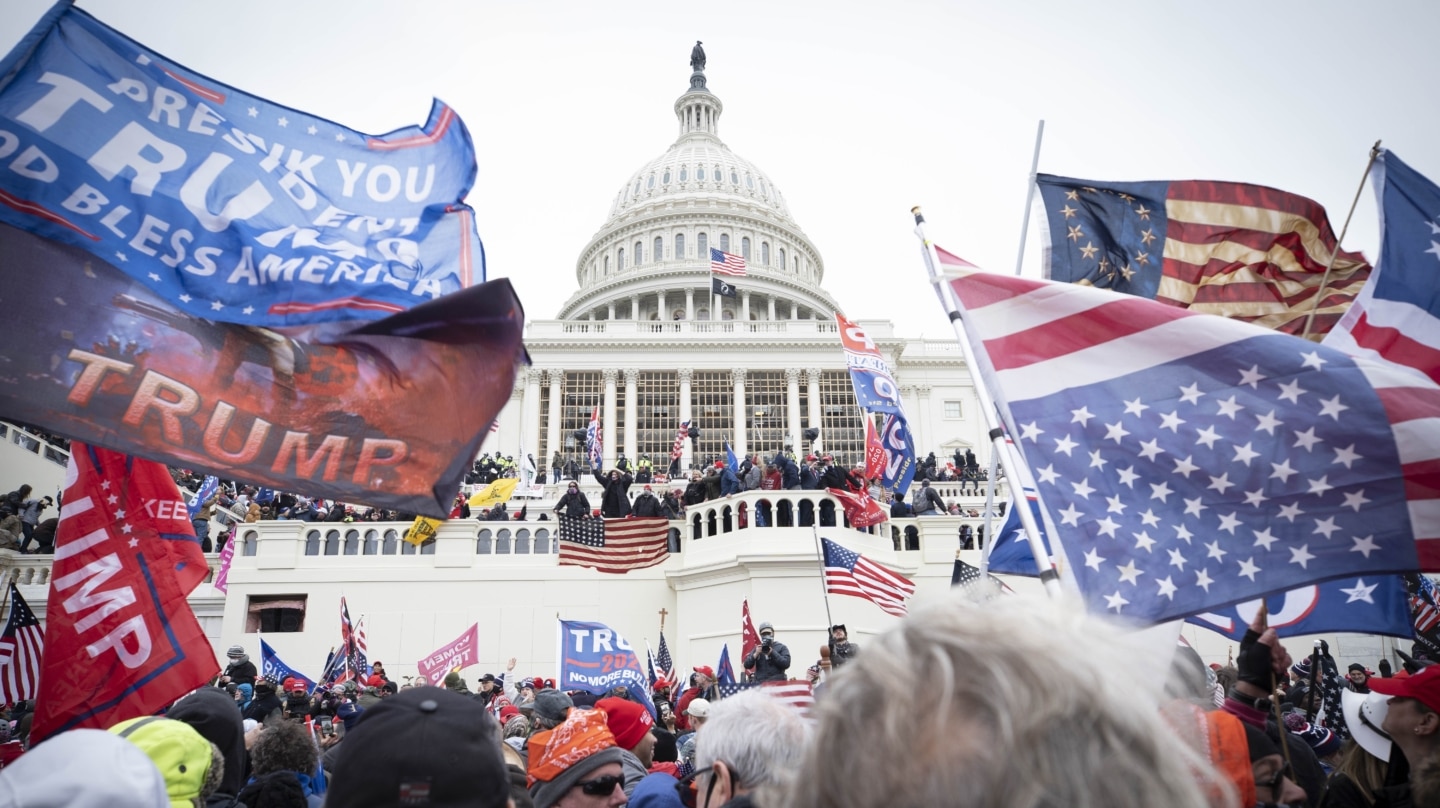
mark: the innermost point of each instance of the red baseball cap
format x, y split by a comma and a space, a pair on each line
1424, 687
707, 670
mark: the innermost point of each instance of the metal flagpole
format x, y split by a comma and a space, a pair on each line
1329, 265
989, 516
1015, 467
1029, 196
824, 590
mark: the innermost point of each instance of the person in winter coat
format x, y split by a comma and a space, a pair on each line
928, 501
712, 481
695, 491
833, 476
789, 472
214, 716
557, 463
646, 504
729, 482
615, 502
769, 660
671, 506
284, 763
573, 503
84, 768
241, 670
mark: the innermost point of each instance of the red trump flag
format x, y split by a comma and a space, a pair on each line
121, 640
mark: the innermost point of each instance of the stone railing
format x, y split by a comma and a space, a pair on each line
34, 570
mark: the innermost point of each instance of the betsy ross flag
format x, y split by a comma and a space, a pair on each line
614, 545
726, 264
849, 573
1196, 461
22, 652
1246, 252
793, 693
126, 557
1397, 316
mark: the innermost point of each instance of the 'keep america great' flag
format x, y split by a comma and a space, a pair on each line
1194, 461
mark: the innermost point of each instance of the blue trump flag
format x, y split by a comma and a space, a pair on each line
208, 487
731, 461
1192, 461
1367, 604
595, 658
271, 667
876, 391
724, 671
225, 205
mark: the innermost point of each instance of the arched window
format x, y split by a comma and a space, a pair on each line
650, 183
639, 253
620, 259
765, 253
702, 246
666, 178
700, 173
782, 258
745, 248
797, 263
684, 173
724, 242
734, 177
659, 252
679, 246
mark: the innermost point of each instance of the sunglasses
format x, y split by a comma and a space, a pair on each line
601, 786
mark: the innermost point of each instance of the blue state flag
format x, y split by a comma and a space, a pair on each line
1363, 604
724, 671
227, 206
273, 668
207, 489
596, 659
731, 461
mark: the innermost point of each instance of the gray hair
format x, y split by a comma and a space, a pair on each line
757, 736
1021, 703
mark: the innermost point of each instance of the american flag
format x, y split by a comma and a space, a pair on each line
965, 574
1241, 251
726, 264
614, 545
22, 651
849, 573
1195, 461
347, 644
793, 692
1397, 315
665, 661
362, 655
595, 439
678, 447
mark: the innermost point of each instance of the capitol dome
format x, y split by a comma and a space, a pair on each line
650, 260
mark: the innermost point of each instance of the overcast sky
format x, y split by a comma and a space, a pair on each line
856, 111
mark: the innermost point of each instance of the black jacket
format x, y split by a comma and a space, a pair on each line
241, 673
695, 492
573, 504
645, 505
769, 667
614, 503
789, 472
212, 713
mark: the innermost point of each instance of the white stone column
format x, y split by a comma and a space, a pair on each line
737, 441
772, 307
745, 307
794, 310
684, 374
812, 381
530, 420
632, 410
553, 439
792, 407
610, 311
608, 454
690, 304
635, 307
661, 307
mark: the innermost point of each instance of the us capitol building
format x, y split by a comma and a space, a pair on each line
643, 339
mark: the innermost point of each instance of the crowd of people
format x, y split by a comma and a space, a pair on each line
1008, 702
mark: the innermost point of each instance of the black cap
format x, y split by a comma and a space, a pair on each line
425, 746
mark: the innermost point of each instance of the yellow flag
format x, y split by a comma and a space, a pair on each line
494, 493
422, 530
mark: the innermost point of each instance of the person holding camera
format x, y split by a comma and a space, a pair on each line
769, 660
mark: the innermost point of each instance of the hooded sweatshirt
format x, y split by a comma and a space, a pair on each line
83, 768
212, 713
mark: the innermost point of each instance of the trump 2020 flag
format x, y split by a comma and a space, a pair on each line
120, 638
1195, 461
876, 391
1397, 316
1242, 251
224, 205
596, 658
724, 671
275, 669
1375, 604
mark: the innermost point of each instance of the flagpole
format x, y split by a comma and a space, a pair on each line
1029, 195
989, 521
824, 590
1015, 468
1329, 265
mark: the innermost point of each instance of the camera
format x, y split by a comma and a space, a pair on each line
766, 642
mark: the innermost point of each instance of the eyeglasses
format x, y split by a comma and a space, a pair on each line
1274, 782
601, 786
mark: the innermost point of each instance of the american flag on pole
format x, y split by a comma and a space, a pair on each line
678, 447
362, 656
665, 661
595, 439
1397, 316
614, 545
22, 651
792, 693
346, 669
1195, 461
1242, 251
849, 573
726, 264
